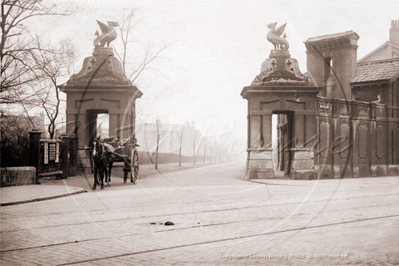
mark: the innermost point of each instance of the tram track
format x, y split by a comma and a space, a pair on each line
225, 220
198, 212
237, 222
229, 239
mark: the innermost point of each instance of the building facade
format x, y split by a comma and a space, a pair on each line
342, 120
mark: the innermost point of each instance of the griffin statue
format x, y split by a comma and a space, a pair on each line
274, 36
109, 34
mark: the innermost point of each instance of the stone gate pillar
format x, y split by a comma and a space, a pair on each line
281, 89
100, 87
260, 149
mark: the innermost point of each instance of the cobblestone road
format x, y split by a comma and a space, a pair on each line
219, 219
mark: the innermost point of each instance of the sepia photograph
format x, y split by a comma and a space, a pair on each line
208, 132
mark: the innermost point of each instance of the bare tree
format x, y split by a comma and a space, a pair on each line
181, 135
158, 137
194, 144
103, 131
17, 47
127, 25
14, 126
53, 64
206, 142
211, 153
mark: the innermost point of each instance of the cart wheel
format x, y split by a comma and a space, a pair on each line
134, 163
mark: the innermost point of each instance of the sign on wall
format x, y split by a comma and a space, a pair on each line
51, 151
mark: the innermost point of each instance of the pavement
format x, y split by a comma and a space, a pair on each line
24, 194
219, 219
51, 188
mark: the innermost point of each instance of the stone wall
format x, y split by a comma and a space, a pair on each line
17, 176
356, 139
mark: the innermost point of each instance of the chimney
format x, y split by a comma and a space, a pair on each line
394, 33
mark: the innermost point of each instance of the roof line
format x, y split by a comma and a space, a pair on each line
375, 50
395, 77
378, 61
331, 36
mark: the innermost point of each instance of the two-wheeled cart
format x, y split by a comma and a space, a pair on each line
126, 152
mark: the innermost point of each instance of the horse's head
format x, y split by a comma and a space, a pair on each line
97, 149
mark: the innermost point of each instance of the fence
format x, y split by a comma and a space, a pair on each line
50, 157
14, 151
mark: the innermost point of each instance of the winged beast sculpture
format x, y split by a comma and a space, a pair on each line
109, 34
274, 36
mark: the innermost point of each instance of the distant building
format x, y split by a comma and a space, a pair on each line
388, 50
170, 137
340, 120
377, 73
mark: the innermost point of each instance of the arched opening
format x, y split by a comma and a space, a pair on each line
328, 64
328, 78
282, 141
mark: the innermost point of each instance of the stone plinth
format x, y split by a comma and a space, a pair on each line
302, 166
260, 164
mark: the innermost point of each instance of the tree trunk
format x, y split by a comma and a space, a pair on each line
180, 156
156, 158
204, 154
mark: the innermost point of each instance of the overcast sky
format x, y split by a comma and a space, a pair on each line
217, 47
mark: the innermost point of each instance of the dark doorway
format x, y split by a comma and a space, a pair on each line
285, 129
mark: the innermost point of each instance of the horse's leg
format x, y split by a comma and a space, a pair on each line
109, 173
106, 175
102, 177
95, 177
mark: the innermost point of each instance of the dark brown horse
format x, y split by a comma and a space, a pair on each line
100, 159
112, 145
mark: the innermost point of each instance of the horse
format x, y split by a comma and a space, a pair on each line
100, 159
111, 146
